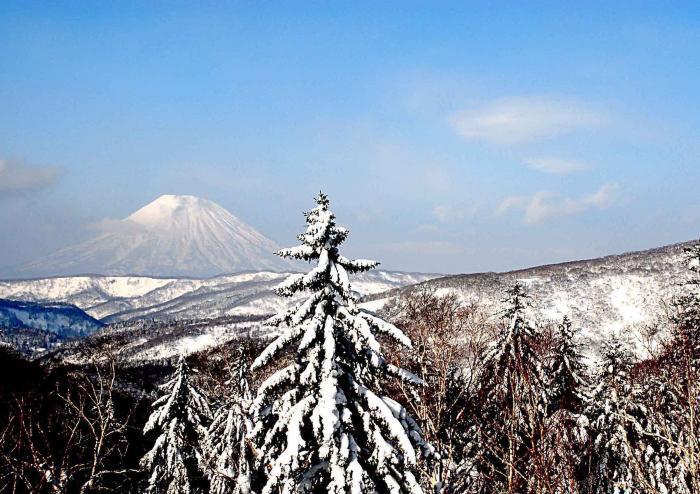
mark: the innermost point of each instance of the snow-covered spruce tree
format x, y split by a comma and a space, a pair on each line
511, 404
637, 445
566, 372
565, 428
686, 314
682, 369
226, 452
321, 423
672, 394
664, 452
179, 420
613, 416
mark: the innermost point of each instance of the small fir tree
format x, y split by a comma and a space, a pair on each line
180, 418
321, 422
512, 401
226, 451
565, 427
685, 335
613, 415
566, 372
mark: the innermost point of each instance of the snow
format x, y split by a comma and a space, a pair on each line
196, 344
628, 299
213, 336
329, 386
128, 297
611, 295
173, 235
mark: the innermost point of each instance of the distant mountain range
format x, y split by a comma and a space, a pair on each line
624, 294
64, 320
122, 298
172, 236
190, 314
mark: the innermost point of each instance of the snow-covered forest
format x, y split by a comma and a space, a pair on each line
427, 396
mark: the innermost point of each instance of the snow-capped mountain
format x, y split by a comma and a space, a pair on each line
172, 236
119, 298
624, 294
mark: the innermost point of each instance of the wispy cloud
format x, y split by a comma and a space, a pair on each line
557, 166
509, 203
525, 118
444, 214
543, 206
434, 247
17, 178
426, 229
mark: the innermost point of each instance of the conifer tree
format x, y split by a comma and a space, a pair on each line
512, 400
565, 427
664, 447
673, 395
321, 422
180, 418
686, 316
226, 451
567, 372
615, 427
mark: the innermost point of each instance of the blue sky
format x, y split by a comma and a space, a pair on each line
451, 137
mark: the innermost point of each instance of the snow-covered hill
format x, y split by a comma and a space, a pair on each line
118, 298
171, 236
191, 314
65, 321
622, 294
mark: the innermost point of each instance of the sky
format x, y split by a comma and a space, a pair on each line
451, 137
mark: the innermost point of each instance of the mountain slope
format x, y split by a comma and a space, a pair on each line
623, 294
65, 321
172, 236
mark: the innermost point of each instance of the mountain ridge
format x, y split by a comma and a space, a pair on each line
115, 297
625, 294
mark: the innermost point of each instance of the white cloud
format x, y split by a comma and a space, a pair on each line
604, 197
525, 118
512, 202
543, 206
426, 229
557, 166
16, 178
433, 247
442, 213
